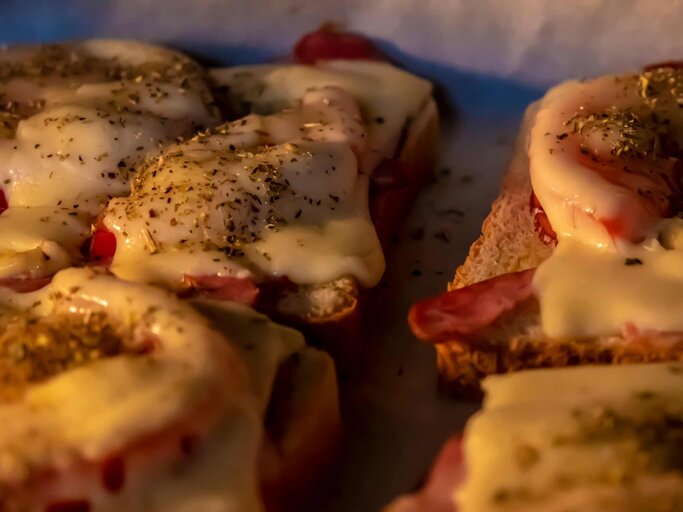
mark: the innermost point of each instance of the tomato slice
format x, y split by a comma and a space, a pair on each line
328, 44
102, 245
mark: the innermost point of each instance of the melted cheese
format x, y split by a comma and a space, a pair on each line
99, 408
589, 438
48, 426
38, 241
278, 195
75, 120
573, 195
587, 292
92, 113
313, 139
225, 476
596, 283
388, 96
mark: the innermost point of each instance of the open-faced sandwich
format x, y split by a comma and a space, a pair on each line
592, 438
286, 205
580, 259
144, 380
120, 396
75, 119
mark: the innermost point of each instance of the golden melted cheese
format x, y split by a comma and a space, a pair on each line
388, 97
593, 292
281, 192
589, 439
276, 195
590, 142
58, 419
40, 240
74, 121
91, 411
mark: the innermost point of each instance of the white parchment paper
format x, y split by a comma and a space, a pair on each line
490, 58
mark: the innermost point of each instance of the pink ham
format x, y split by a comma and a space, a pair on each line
466, 310
24, 284
234, 289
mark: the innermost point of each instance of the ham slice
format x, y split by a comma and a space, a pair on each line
466, 310
25, 284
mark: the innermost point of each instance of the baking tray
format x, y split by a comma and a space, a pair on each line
489, 59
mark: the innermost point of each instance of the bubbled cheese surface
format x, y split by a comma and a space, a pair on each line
590, 439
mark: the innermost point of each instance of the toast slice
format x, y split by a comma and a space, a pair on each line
510, 243
296, 387
330, 312
303, 431
403, 164
180, 417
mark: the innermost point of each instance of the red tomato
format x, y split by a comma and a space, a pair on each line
102, 245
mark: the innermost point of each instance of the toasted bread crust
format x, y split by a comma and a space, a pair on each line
334, 320
303, 431
509, 243
416, 158
515, 342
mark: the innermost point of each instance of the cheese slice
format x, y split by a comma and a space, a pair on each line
224, 475
263, 344
85, 113
298, 165
588, 292
588, 438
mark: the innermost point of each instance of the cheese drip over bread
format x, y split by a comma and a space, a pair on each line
266, 195
74, 121
590, 439
605, 165
96, 369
